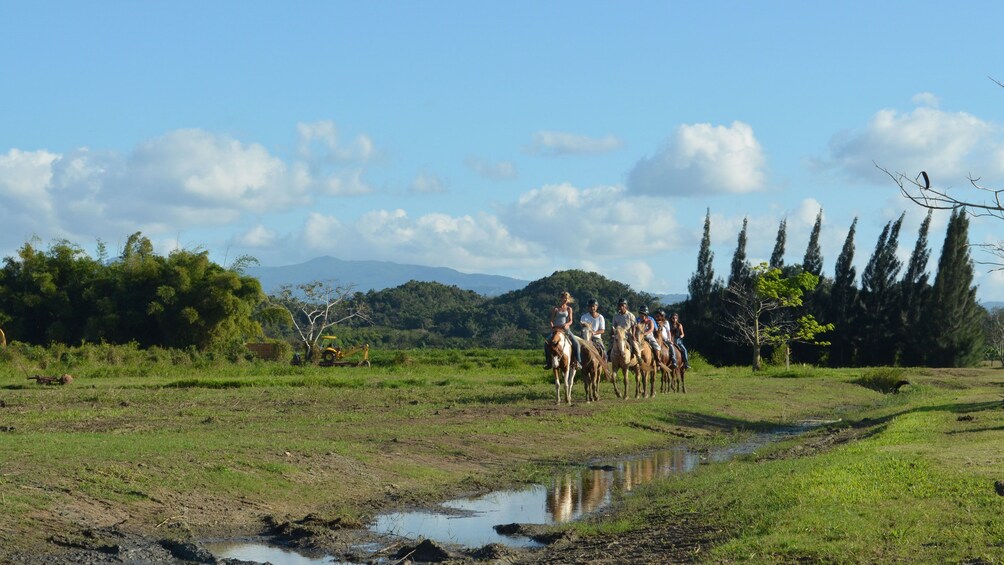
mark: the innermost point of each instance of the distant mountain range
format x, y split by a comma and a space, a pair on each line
378, 275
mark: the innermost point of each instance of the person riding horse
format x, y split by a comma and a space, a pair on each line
664, 334
561, 320
597, 324
648, 328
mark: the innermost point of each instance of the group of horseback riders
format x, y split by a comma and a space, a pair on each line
670, 331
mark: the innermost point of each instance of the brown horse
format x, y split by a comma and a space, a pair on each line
561, 363
672, 374
593, 364
622, 358
646, 367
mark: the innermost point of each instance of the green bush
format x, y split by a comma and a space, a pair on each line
882, 379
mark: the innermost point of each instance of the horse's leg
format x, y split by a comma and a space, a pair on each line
683, 382
569, 381
557, 386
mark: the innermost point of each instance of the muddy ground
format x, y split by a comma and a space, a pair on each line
669, 538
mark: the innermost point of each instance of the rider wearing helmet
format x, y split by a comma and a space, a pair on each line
662, 330
648, 328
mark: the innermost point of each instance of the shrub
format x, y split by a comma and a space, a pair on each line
882, 379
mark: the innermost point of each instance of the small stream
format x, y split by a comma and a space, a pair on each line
570, 494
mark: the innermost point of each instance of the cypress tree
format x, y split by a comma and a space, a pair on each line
777, 257
915, 292
955, 319
813, 261
843, 302
704, 302
879, 304
740, 272
701, 283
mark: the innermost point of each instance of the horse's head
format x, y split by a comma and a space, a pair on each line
587, 331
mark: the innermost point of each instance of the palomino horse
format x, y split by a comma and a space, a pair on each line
672, 374
593, 364
644, 371
623, 359
561, 363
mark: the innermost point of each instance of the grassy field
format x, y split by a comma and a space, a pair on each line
172, 447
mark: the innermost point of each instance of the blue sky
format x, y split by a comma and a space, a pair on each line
513, 138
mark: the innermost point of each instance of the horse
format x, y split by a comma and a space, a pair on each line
593, 363
561, 363
646, 367
622, 359
672, 374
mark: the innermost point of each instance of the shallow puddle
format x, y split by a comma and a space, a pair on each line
262, 553
570, 494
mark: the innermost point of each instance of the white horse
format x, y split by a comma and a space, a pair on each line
561, 363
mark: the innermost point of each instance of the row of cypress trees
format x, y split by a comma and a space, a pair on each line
887, 319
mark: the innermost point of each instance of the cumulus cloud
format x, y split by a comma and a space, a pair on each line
184, 179
501, 170
556, 143
258, 236
597, 222
948, 145
703, 159
318, 141
427, 183
468, 242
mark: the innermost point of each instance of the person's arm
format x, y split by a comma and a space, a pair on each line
681, 331
602, 325
554, 312
571, 316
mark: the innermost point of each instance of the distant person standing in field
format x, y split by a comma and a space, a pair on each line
597, 324
676, 330
561, 319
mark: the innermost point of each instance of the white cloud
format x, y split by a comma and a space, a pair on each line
926, 99
348, 183
462, 242
501, 170
556, 143
318, 142
948, 145
597, 222
427, 183
638, 274
258, 236
703, 159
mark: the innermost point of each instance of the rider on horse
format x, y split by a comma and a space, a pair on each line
597, 324
561, 320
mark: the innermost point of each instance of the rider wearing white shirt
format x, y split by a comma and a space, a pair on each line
596, 323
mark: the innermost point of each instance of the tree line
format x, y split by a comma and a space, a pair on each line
892, 317
183, 300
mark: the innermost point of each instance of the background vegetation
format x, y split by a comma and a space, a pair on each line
62, 295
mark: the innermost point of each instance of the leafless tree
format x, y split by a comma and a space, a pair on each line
315, 307
985, 201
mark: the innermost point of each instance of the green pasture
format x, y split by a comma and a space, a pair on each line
187, 444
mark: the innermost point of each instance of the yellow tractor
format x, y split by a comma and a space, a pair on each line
332, 355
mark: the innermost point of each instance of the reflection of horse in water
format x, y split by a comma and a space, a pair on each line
561, 363
573, 494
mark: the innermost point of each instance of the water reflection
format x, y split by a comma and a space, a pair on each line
570, 495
